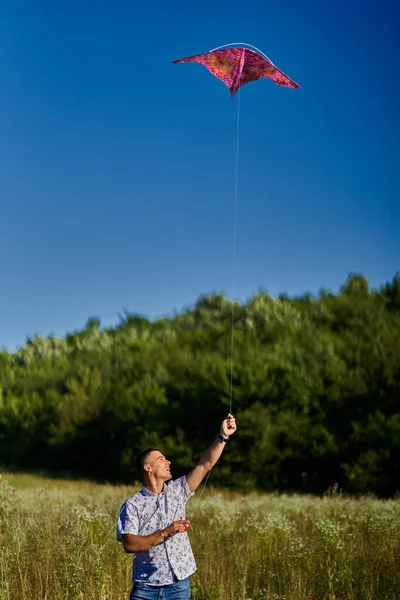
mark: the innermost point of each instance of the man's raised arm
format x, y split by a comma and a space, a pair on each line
212, 454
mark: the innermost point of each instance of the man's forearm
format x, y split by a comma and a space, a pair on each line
212, 454
141, 543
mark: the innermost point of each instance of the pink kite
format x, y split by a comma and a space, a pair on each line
237, 66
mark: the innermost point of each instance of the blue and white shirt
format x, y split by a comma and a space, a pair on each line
143, 514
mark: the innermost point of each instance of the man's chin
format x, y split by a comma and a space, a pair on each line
168, 477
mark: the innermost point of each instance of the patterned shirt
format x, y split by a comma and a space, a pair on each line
143, 514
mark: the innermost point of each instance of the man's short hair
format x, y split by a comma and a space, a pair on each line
141, 460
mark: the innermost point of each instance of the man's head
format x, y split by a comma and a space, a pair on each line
152, 463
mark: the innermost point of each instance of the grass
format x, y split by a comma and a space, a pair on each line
57, 542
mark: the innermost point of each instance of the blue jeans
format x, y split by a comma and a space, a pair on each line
180, 590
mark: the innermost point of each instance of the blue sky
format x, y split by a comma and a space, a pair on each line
117, 170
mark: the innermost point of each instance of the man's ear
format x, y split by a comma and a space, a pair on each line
147, 468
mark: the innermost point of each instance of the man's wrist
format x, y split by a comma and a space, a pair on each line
222, 439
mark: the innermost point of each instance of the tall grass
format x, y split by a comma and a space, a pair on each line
57, 542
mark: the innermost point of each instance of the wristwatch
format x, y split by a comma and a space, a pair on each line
222, 438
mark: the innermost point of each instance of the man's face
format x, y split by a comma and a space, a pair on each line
158, 466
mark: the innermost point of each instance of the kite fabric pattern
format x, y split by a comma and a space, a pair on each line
237, 66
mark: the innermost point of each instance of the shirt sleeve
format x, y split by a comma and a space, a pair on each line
181, 488
128, 520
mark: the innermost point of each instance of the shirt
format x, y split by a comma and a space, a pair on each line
146, 512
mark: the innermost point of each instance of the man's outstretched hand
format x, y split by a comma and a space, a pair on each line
228, 426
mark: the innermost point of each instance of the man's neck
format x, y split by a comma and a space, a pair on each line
156, 486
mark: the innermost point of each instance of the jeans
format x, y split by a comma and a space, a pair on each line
180, 590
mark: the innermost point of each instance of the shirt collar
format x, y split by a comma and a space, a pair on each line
145, 492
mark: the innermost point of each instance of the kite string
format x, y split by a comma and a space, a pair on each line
234, 252
199, 498
233, 288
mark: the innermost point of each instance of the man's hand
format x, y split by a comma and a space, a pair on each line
228, 426
176, 527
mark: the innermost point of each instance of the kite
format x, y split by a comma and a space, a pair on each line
238, 65
235, 65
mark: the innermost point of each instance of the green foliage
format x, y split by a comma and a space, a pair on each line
315, 388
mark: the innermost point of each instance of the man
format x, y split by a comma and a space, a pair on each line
152, 523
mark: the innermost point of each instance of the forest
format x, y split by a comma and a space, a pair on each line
315, 391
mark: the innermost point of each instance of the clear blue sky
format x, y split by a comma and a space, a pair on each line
117, 167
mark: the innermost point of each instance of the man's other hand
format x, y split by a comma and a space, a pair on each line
180, 526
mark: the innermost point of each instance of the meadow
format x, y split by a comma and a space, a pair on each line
57, 541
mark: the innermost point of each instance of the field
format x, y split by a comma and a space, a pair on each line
57, 542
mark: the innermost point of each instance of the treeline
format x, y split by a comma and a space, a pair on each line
316, 389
